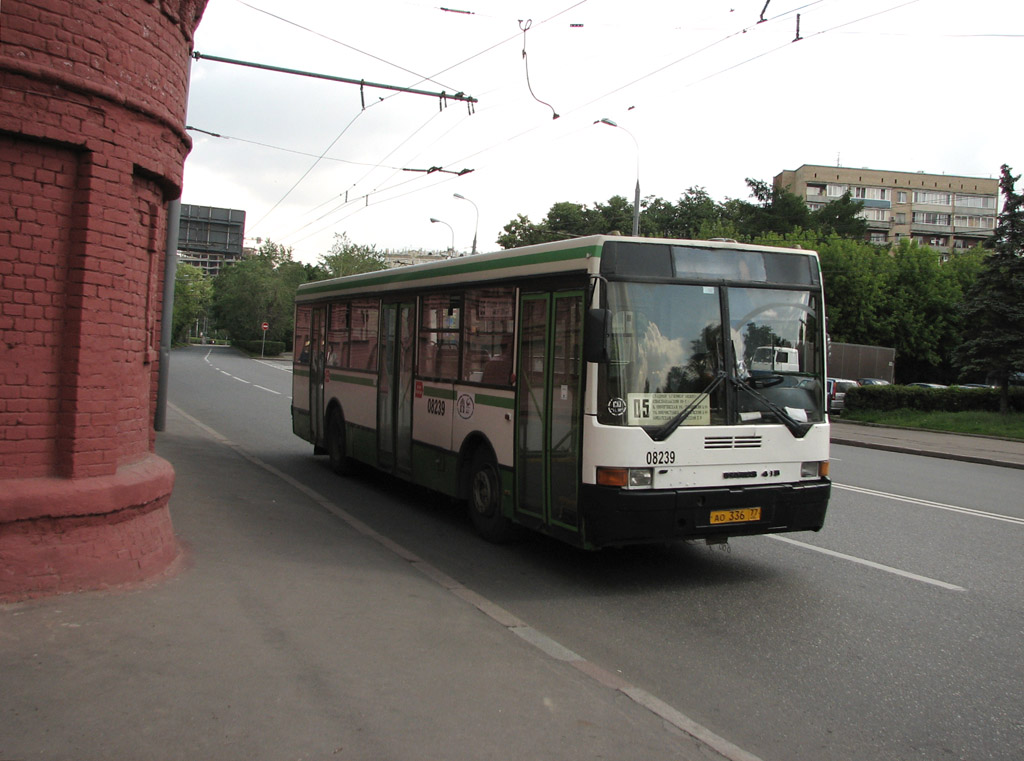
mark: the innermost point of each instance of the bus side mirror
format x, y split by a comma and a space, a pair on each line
596, 338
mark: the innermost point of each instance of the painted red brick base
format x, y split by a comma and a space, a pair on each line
65, 535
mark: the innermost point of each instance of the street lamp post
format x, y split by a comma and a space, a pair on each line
441, 221
476, 227
636, 195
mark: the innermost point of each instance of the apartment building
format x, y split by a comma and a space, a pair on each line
937, 210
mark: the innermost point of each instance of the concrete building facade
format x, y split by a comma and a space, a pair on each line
210, 237
937, 210
92, 145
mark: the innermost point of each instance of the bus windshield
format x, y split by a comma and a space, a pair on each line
668, 349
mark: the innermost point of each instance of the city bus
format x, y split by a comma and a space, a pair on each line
600, 390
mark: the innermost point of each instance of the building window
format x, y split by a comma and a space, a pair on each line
874, 215
933, 198
872, 194
837, 191
931, 218
901, 196
878, 237
969, 220
899, 217
976, 202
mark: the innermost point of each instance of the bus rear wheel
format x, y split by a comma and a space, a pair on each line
485, 500
340, 463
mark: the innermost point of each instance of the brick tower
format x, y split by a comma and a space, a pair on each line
92, 145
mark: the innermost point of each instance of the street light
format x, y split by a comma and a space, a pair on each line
476, 227
441, 221
636, 196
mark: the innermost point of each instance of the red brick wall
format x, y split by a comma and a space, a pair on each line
92, 144
37, 187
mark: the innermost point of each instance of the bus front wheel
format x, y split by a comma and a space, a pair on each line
485, 500
340, 463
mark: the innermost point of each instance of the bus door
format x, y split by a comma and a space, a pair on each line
395, 388
549, 407
317, 363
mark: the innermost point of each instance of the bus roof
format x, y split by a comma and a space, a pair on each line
573, 255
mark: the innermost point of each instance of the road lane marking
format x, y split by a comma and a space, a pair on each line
278, 365
869, 563
929, 503
540, 641
250, 383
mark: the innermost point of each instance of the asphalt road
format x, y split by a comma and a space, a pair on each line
895, 633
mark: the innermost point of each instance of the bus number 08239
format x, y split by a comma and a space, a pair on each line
663, 457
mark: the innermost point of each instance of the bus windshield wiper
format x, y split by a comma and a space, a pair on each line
797, 428
665, 430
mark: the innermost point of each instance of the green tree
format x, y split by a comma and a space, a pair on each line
683, 219
259, 289
348, 258
193, 293
840, 218
777, 211
243, 294
856, 276
522, 232
923, 303
994, 308
616, 216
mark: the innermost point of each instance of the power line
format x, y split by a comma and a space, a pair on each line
297, 25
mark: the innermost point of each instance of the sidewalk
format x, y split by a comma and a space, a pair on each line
292, 633
987, 450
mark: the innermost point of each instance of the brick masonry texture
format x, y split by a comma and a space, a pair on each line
92, 145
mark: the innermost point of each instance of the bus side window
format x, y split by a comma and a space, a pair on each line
301, 343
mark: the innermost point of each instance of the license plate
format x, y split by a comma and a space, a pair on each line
745, 515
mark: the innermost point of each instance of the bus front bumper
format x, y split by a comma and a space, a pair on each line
621, 516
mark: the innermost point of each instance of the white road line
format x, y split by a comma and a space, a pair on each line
286, 366
869, 563
264, 388
936, 505
248, 383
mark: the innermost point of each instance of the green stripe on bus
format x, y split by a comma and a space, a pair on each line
301, 373
438, 393
395, 277
489, 400
359, 380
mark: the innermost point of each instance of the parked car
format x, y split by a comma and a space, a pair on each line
928, 385
872, 382
975, 385
836, 389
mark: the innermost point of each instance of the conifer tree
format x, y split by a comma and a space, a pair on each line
994, 308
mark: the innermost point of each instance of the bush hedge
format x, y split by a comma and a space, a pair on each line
269, 349
952, 399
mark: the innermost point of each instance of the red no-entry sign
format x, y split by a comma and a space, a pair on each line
266, 326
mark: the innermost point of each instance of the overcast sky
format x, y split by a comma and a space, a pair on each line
709, 95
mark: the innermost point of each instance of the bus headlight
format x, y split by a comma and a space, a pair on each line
641, 478
816, 469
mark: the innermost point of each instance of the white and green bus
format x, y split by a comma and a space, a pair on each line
601, 390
